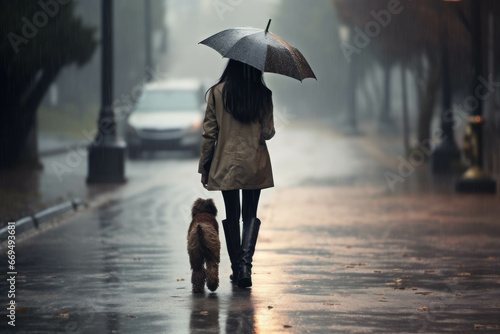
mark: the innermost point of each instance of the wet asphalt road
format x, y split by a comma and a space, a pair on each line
337, 252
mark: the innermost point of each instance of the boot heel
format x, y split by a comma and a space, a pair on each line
244, 276
245, 282
249, 239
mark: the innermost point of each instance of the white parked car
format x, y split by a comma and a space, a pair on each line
167, 116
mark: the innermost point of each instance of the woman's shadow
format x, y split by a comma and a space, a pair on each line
240, 313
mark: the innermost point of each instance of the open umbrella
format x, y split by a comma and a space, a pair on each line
261, 49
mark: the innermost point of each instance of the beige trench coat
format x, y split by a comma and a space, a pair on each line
241, 159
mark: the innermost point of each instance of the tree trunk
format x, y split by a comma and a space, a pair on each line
17, 122
11, 130
376, 88
385, 120
352, 85
406, 128
369, 97
29, 157
427, 106
419, 69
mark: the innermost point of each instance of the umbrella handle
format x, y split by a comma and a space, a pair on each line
268, 24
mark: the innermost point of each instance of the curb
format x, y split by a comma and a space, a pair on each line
43, 217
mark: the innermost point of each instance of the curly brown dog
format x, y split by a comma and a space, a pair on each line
204, 245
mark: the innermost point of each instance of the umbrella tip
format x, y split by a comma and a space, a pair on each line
268, 24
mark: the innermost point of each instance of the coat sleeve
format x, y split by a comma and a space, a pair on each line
268, 130
209, 135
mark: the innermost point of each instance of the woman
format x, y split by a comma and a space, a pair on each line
234, 156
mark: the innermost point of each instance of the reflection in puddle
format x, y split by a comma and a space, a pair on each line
240, 316
241, 312
204, 313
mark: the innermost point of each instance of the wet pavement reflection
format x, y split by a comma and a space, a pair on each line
331, 257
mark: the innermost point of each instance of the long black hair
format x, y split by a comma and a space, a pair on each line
245, 94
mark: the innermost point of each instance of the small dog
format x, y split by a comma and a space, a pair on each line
204, 245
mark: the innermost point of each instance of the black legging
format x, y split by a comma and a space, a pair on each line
248, 208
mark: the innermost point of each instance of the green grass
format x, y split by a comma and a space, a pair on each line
67, 120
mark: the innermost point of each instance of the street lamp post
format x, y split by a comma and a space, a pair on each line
447, 151
147, 28
475, 179
106, 162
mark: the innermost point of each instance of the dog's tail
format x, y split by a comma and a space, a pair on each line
208, 237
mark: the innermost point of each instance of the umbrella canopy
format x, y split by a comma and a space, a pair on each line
261, 49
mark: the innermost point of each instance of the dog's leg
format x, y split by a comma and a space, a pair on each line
198, 279
212, 275
196, 260
198, 275
212, 258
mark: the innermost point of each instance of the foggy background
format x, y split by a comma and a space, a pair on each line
381, 88
314, 27
178, 27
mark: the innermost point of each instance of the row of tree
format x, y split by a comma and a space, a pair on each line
81, 86
44, 37
408, 34
41, 41
309, 26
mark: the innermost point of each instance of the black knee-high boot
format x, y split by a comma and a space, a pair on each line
249, 239
232, 234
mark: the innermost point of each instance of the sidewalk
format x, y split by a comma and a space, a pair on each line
25, 192
362, 259
338, 251
52, 144
342, 259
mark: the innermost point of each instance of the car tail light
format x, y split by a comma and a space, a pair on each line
195, 125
